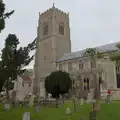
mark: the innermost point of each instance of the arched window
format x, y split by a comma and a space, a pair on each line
69, 66
61, 28
45, 29
60, 66
86, 84
81, 65
93, 63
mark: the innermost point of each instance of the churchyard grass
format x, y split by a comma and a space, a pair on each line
107, 112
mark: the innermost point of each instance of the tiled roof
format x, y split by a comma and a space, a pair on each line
78, 54
26, 78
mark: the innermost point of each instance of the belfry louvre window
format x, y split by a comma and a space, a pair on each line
61, 28
45, 29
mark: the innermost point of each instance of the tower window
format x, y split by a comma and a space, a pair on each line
45, 29
44, 58
29, 85
61, 28
22, 84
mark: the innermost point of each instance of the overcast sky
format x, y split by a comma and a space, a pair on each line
92, 22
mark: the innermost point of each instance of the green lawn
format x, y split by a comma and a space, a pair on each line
107, 112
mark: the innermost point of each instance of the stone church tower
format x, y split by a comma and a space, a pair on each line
53, 40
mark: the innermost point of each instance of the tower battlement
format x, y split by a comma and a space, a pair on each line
53, 9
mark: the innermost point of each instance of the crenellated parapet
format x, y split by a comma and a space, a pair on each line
53, 9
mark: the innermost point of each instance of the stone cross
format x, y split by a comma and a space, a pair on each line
26, 116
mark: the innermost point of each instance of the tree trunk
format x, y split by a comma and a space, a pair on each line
97, 97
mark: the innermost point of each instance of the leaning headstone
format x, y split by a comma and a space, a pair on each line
7, 107
93, 115
37, 109
26, 116
68, 111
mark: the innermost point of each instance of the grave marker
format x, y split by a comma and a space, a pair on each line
68, 111
7, 107
37, 109
26, 116
93, 115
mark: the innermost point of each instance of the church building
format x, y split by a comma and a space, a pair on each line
53, 52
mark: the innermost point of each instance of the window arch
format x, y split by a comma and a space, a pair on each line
45, 29
93, 63
69, 66
86, 84
61, 28
81, 65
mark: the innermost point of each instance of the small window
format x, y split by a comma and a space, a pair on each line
86, 84
81, 65
93, 63
60, 66
29, 85
61, 28
44, 58
69, 66
45, 29
22, 84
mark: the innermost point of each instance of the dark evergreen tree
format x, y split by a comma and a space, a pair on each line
13, 61
3, 15
58, 83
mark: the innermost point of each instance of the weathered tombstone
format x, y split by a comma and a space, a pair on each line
81, 101
26, 116
93, 115
37, 109
81, 118
68, 111
90, 98
7, 107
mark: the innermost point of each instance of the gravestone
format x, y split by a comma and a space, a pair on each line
68, 111
90, 98
37, 109
75, 104
81, 118
15, 104
93, 115
7, 107
81, 101
26, 116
